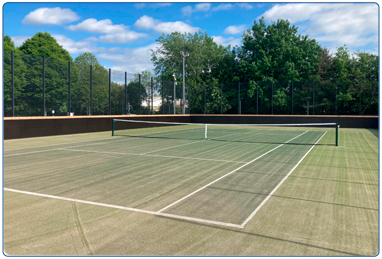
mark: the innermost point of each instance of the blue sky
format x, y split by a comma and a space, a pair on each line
122, 34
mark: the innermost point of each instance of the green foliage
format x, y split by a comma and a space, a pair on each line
44, 45
9, 45
277, 53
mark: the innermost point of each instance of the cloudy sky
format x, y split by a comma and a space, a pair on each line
122, 34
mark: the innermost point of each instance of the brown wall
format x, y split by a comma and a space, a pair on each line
25, 127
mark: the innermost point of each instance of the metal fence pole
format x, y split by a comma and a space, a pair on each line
13, 84
336, 97
360, 92
314, 81
205, 105
140, 100
91, 90
174, 97
109, 91
125, 92
272, 98
189, 98
221, 98
257, 97
292, 96
152, 96
163, 95
43, 84
238, 104
69, 90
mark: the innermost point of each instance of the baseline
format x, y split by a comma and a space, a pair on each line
127, 208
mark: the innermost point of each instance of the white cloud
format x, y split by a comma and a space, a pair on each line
76, 47
139, 6
355, 25
19, 40
56, 16
227, 41
147, 22
114, 33
152, 5
131, 60
203, 7
234, 29
102, 26
123, 37
223, 7
245, 6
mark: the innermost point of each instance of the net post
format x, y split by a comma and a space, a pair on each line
336, 134
205, 132
112, 127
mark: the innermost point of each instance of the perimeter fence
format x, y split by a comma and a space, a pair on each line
38, 86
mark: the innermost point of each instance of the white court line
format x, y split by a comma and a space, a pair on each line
128, 209
205, 186
132, 154
186, 144
275, 189
91, 140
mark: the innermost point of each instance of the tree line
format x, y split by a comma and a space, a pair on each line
279, 71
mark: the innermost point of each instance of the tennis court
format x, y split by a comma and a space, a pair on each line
174, 175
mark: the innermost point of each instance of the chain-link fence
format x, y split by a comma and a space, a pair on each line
37, 86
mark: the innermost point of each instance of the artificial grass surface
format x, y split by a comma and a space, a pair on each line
328, 205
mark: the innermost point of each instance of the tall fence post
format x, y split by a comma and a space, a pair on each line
272, 98
257, 98
69, 90
360, 92
109, 91
174, 96
336, 96
163, 95
13, 84
221, 98
126, 92
140, 100
43, 84
314, 82
152, 95
292, 96
91, 90
239, 103
189, 98
205, 104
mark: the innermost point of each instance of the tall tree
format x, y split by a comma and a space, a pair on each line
81, 90
277, 53
56, 74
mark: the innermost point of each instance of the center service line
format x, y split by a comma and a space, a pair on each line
205, 186
275, 189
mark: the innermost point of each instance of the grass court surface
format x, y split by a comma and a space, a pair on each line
170, 192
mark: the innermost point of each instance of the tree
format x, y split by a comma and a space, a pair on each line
202, 64
81, 90
56, 74
277, 53
19, 79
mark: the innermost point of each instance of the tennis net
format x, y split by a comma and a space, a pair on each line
306, 134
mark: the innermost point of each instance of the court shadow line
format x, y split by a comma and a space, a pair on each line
292, 198
262, 236
313, 178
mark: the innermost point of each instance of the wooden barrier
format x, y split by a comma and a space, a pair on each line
26, 127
